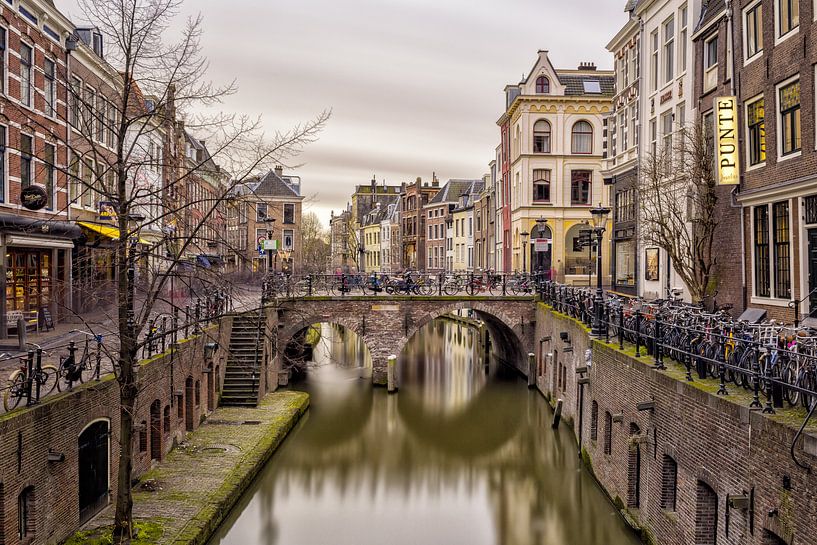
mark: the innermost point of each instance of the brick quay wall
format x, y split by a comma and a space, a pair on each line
697, 467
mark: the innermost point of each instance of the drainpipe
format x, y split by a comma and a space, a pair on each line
733, 203
640, 113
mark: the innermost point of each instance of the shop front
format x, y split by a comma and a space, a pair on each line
36, 283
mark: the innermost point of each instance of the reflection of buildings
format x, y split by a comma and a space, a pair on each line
364, 454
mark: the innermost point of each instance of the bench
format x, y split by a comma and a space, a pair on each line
31, 318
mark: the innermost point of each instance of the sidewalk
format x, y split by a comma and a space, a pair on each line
184, 499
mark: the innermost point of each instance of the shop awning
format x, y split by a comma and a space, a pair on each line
106, 231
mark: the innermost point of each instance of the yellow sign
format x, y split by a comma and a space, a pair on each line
726, 140
385, 308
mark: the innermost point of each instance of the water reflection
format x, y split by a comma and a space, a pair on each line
458, 456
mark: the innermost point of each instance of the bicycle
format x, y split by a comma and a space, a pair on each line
21, 386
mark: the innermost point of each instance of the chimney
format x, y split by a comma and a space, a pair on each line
279, 171
587, 66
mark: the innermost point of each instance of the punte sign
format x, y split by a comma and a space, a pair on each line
726, 141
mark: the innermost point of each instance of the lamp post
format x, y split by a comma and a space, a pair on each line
361, 266
270, 227
599, 214
541, 225
524, 235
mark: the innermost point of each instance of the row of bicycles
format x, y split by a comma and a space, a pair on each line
407, 283
770, 358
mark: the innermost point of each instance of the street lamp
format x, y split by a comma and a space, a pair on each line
541, 225
599, 215
524, 235
270, 227
361, 250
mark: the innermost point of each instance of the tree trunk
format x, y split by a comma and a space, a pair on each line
123, 519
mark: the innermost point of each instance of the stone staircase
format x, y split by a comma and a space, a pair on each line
246, 352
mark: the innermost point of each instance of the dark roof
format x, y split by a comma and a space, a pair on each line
451, 191
574, 84
709, 10
270, 185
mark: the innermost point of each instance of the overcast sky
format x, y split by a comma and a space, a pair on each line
415, 86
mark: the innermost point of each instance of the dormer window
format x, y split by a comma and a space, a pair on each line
542, 85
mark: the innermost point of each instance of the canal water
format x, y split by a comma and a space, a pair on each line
463, 454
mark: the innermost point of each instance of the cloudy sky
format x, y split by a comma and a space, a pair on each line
415, 86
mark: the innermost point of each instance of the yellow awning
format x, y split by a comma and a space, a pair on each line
109, 232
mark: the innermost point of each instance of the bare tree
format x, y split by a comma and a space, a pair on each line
315, 244
153, 83
678, 206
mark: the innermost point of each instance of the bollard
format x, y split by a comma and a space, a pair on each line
557, 414
21, 333
391, 374
531, 370
29, 378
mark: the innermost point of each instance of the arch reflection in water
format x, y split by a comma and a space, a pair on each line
458, 456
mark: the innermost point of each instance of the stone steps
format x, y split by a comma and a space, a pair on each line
240, 388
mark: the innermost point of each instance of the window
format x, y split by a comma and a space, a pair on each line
711, 63
788, 16
49, 154
755, 121
789, 105
26, 516
654, 61
26, 145
26, 59
289, 213
3, 60
289, 239
761, 232
3, 169
100, 122
782, 251
49, 87
541, 137
88, 121
653, 137
74, 102
669, 49
682, 38
666, 135
582, 138
541, 185
625, 205
542, 85
261, 211
580, 186
87, 197
669, 483
608, 432
622, 129
594, 421
753, 25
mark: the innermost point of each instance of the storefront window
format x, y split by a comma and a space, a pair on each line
28, 279
625, 263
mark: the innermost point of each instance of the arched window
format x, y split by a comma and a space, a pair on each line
26, 515
594, 421
669, 483
582, 137
542, 85
608, 433
541, 137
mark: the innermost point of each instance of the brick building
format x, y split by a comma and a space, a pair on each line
413, 197
272, 204
437, 215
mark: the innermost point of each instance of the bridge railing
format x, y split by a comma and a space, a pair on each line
409, 283
776, 363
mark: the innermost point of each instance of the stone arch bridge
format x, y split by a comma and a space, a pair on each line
387, 323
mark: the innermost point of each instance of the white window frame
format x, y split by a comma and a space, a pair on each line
772, 300
778, 37
668, 50
713, 67
778, 119
759, 53
31, 66
654, 65
747, 142
683, 36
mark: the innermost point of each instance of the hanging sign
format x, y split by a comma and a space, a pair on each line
270, 244
726, 141
541, 244
33, 197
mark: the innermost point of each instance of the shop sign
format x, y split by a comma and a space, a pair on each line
541, 244
107, 210
726, 140
33, 197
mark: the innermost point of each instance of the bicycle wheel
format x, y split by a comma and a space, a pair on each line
791, 395
15, 391
426, 289
470, 288
450, 288
47, 379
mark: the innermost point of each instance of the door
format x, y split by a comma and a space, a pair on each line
93, 469
812, 272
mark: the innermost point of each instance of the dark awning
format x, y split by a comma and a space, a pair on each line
215, 260
203, 261
10, 223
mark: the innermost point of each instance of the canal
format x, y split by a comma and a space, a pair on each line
464, 453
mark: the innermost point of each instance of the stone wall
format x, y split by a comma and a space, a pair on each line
178, 383
672, 468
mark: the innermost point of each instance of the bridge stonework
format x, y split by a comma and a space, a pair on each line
387, 324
